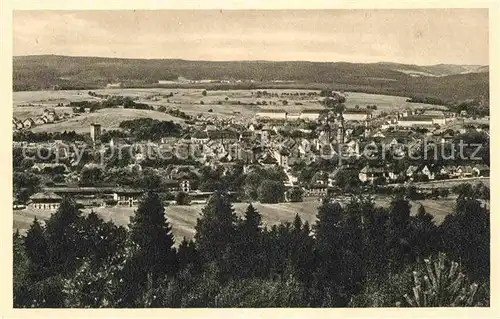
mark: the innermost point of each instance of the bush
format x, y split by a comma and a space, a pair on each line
182, 198
294, 194
271, 192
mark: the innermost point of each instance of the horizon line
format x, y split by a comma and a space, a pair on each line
248, 61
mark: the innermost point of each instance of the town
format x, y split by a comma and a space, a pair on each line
251, 159
306, 154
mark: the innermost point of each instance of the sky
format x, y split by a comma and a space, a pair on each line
423, 37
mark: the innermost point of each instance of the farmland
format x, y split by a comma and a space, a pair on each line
183, 218
220, 103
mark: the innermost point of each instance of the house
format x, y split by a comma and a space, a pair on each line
448, 172
44, 167
464, 171
200, 137
27, 123
428, 172
416, 121
311, 114
281, 155
40, 121
320, 178
481, 170
369, 174
185, 186
45, 200
412, 170
293, 116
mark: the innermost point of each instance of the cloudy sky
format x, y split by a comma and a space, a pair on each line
429, 36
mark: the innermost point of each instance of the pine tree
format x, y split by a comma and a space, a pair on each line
36, 250
466, 237
301, 251
101, 239
328, 250
247, 251
20, 270
400, 250
64, 237
423, 234
215, 228
187, 254
151, 234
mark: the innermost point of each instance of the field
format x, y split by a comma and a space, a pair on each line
186, 100
183, 218
108, 118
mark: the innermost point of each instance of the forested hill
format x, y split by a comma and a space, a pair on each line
446, 82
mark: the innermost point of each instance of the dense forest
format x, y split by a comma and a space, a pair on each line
354, 255
445, 83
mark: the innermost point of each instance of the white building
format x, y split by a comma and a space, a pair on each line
312, 115
272, 114
415, 121
357, 115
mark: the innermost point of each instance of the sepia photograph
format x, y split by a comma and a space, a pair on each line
334, 158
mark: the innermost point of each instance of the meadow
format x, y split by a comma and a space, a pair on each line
109, 119
220, 103
183, 218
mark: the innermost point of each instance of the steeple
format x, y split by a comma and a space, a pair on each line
340, 130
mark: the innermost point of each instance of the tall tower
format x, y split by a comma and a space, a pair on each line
340, 131
95, 131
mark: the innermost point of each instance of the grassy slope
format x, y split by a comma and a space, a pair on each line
108, 118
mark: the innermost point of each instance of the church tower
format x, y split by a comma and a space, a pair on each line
340, 130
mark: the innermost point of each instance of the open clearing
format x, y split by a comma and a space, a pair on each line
108, 118
183, 218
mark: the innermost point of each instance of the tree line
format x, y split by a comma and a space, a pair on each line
355, 254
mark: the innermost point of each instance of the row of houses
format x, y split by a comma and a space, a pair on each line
48, 116
370, 174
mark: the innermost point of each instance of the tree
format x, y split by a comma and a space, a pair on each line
466, 236
400, 250
36, 250
151, 234
295, 194
20, 269
162, 108
215, 228
25, 185
91, 176
182, 198
204, 93
187, 254
64, 237
102, 240
442, 284
271, 191
328, 251
246, 253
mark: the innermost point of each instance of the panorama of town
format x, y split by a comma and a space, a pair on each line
279, 151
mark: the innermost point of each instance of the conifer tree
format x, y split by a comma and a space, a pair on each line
215, 228
151, 234
64, 237
328, 245
36, 250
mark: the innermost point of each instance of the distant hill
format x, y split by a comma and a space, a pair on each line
447, 82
